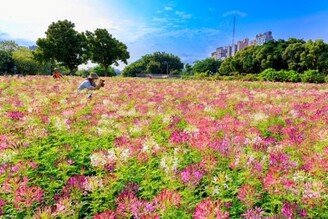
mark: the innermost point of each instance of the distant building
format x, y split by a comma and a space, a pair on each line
263, 38
220, 53
242, 44
223, 52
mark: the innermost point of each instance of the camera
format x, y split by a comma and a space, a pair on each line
102, 82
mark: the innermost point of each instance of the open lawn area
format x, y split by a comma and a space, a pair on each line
152, 148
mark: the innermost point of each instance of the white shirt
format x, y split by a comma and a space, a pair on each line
85, 84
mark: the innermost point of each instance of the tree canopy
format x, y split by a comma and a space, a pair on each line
62, 44
6, 50
293, 54
208, 64
104, 49
156, 63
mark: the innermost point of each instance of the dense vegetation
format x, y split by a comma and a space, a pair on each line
147, 148
293, 54
156, 63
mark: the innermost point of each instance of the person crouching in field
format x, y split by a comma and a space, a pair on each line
90, 83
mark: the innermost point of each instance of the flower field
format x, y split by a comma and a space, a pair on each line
146, 148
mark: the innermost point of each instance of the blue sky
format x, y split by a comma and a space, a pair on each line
189, 29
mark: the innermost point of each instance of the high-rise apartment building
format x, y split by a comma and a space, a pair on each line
223, 52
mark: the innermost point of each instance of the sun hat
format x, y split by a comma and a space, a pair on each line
93, 75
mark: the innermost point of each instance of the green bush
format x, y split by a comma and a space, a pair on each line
268, 74
326, 79
271, 74
249, 77
313, 76
293, 76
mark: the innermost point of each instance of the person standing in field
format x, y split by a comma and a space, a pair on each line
56, 74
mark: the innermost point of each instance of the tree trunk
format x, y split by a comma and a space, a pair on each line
106, 70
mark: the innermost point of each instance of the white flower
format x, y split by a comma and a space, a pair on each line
124, 155
111, 154
216, 190
60, 124
98, 159
94, 182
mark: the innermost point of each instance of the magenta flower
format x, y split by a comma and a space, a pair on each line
208, 208
288, 210
192, 175
167, 198
2, 203
105, 215
281, 161
26, 195
256, 213
246, 195
16, 115
179, 137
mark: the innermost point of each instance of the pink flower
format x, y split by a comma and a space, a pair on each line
192, 175
246, 194
26, 195
105, 215
288, 210
208, 208
167, 198
179, 137
256, 213
16, 115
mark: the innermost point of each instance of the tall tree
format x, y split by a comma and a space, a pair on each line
6, 49
208, 64
62, 44
25, 62
292, 54
106, 50
227, 67
245, 62
270, 55
315, 56
156, 63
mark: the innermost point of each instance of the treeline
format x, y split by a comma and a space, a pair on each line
294, 60
63, 47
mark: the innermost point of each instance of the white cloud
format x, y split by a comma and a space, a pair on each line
183, 15
168, 8
30, 19
235, 12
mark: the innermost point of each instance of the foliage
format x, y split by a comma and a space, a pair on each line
25, 62
153, 66
156, 63
313, 76
187, 69
99, 69
133, 69
106, 50
62, 44
209, 64
293, 55
163, 149
245, 60
227, 68
280, 76
315, 56
6, 62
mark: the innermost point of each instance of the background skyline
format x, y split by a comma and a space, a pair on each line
190, 30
